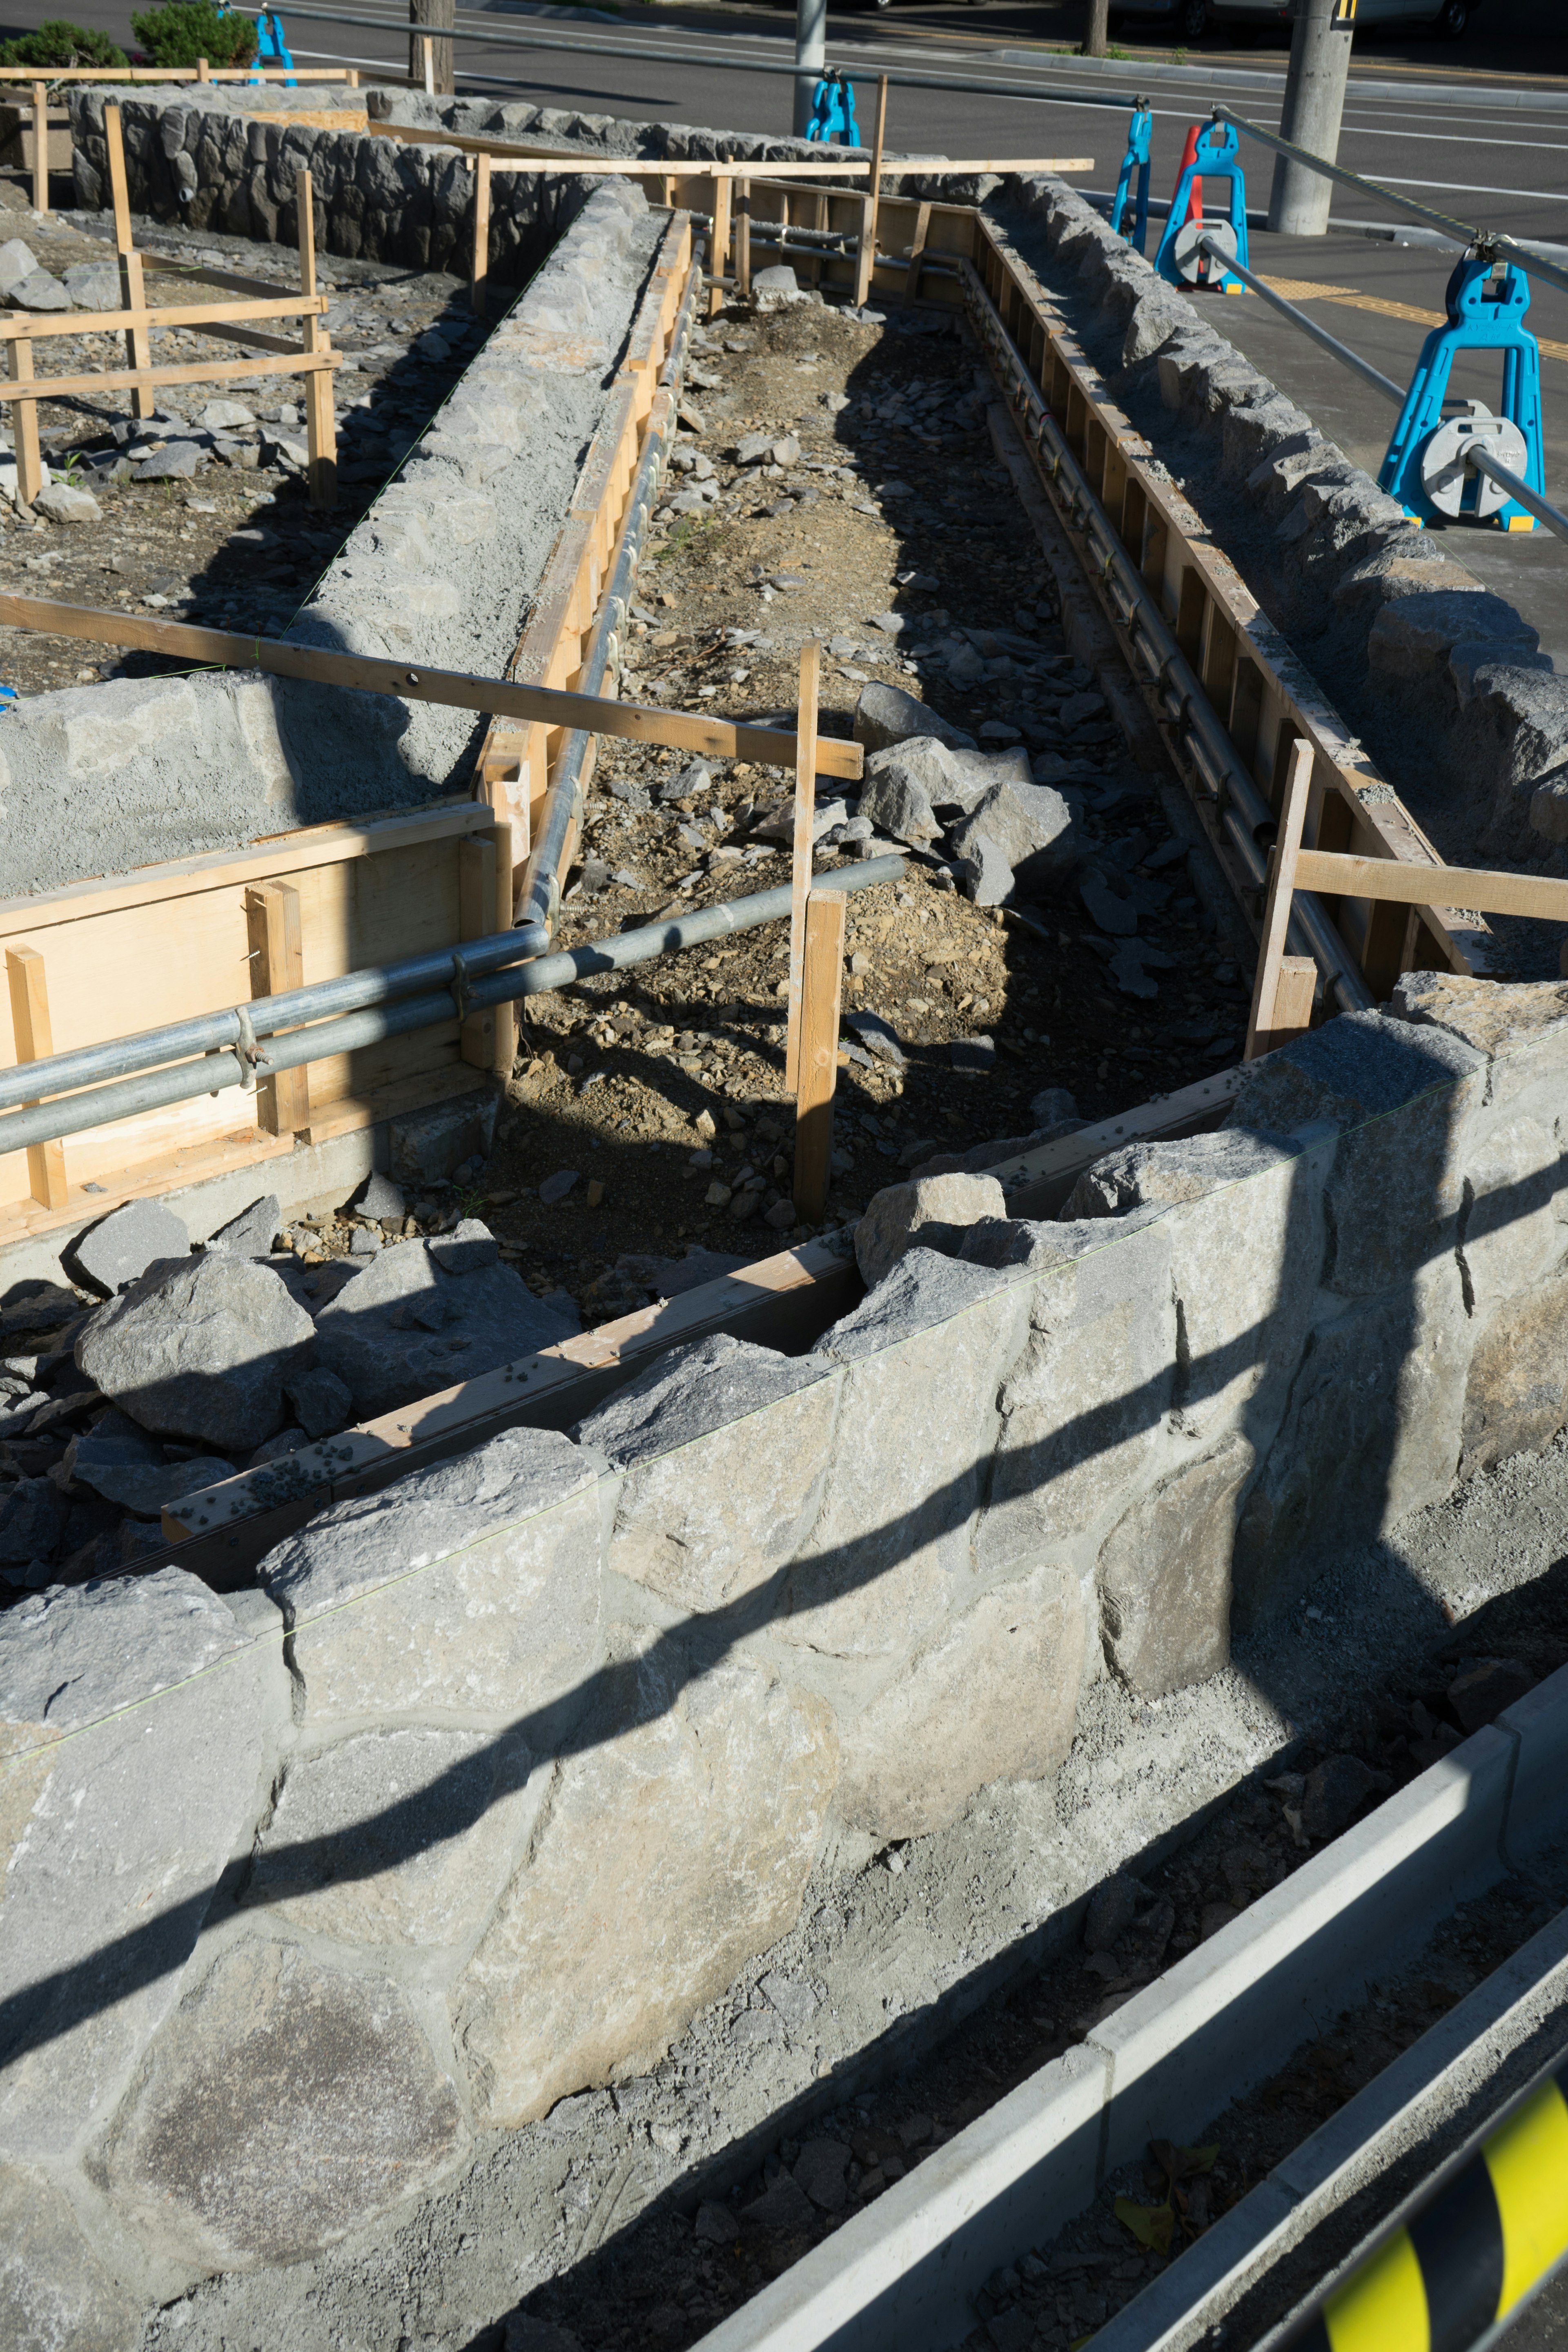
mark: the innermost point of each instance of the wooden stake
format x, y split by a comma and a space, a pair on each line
1263, 1029
428, 46
800, 872
203, 71
25, 429
719, 259
916, 252
40, 148
823, 985
475, 915
869, 213
478, 286
743, 240
321, 422
133, 296
277, 964
34, 1043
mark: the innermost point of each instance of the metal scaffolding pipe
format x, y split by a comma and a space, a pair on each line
1478, 455
231, 1067
1321, 335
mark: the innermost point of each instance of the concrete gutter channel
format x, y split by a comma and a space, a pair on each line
685, 1623
1213, 2026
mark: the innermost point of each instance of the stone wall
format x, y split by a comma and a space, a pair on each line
1445, 678
443, 568
508, 1770
211, 162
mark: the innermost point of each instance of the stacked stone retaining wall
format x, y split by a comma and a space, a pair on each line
507, 1771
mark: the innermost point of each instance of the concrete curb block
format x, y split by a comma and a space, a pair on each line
1218, 2022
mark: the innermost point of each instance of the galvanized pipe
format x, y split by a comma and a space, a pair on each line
1298, 317
1478, 455
208, 1032
155, 1089
540, 897
1247, 820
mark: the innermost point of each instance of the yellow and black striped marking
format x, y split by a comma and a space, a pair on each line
1466, 2260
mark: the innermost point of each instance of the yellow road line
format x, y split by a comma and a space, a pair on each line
1304, 290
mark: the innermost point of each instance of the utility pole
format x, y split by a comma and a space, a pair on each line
810, 56
431, 14
1314, 100
1096, 27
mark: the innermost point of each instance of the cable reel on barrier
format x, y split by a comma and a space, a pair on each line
1136, 158
1182, 258
833, 109
1425, 467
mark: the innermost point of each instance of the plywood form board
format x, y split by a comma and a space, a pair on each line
1260, 692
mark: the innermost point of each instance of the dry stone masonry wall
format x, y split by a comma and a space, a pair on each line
505, 1771
1445, 678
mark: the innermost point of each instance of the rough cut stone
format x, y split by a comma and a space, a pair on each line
1516, 1389
1158, 1175
123, 1244
121, 1461
406, 1328
428, 1146
253, 1232
477, 1586
886, 714
112, 1843
59, 503
819, 2170
1165, 1576
702, 1528
33, 1514
401, 1837
468, 1248
900, 1212
992, 1697
1523, 1029
200, 1349
904, 784
1030, 825
287, 2103
678, 1843
380, 1198
323, 1402
55, 2294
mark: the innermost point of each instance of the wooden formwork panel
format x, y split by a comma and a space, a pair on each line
1259, 690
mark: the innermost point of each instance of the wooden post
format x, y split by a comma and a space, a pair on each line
133, 296
800, 871
743, 241
719, 258
40, 148
320, 422
916, 252
277, 965
478, 287
865, 260
868, 231
25, 424
428, 48
477, 920
1273, 1022
203, 71
34, 1043
823, 978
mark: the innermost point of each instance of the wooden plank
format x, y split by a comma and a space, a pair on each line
1295, 993
320, 424
477, 920
192, 1163
1488, 892
598, 166
800, 867
219, 869
1282, 872
29, 457
138, 351
822, 987
142, 380
277, 964
21, 325
743, 240
868, 255
450, 689
40, 148
480, 269
34, 1043
718, 251
916, 252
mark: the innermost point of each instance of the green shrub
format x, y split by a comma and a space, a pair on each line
182, 31
59, 43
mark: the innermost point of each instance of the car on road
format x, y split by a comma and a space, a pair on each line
1192, 19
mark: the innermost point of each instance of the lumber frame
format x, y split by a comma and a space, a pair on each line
34, 1043
1271, 1023
822, 990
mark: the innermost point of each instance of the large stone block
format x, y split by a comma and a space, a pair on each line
1083, 1410
113, 1838
285, 2104
404, 1836
55, 2294
936, 1209
1523, 1030
200, 1349
678, 1844
924, 1358
1516, 1397
1370, 1431
1164, 1575
471, 1588
724, 1447
408, 1327
1399, 1095
1513, 1211
992, 1697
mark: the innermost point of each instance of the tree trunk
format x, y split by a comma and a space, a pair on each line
433, 12
1096, 27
